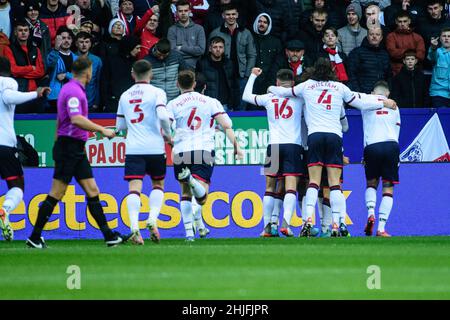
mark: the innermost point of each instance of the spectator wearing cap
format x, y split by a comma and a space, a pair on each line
27, 66
166, 64
402, 40
95, 11
5, 17
110, 45
239, 46
83, 42
147, 29
312, 34
217, 69
127, 15
294, 58
352, 35
116, 76
268, 47
54, 15
39, 32
414, 9
187, 37
369, 63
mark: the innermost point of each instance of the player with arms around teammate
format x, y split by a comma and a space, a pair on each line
381, 159
10, 167
193, 151
70, 156
142, 111
324, 98
284, 154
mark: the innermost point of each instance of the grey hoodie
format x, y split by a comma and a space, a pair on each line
191, 39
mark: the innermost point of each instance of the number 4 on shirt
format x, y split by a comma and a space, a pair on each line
327, 101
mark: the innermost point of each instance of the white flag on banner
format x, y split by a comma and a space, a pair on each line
429, 145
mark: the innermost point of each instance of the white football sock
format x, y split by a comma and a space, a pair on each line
385, 210
277, 203
268, 204
156, 199
327, 216
197, 189
337, 202
303, 207
371, 201
134, 205
343, 211
12, 199
311, 199
289, 205
187, 215
198, 219
320, 208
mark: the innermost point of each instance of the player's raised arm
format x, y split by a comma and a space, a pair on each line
248, 95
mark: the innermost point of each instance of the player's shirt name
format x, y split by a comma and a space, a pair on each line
190, 98
321, 84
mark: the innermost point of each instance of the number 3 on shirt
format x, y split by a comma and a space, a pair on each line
279, 110
327, 101
139, 111
194, 122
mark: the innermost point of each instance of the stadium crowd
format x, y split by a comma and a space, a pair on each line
404, 42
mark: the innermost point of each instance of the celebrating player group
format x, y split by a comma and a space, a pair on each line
304, 158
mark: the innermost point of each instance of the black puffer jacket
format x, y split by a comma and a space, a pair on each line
312, 40
207, 67
366, 65
292, 15
409, 89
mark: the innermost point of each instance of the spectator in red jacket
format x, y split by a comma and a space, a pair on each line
54, 15
402, 40
146, 29
27, 66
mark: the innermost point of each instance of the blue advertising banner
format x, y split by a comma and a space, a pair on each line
234, 206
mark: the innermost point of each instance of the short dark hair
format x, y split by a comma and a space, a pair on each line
229, 6
5, 67
332, 30
216, 39
323, 71
64, 29
141, 67
21, 23
186, 79
320, 12
80, 65
432, 2
163, 46
182, 3
285, 75
409, 53
200, 80
83, 35
446, 29
402, 14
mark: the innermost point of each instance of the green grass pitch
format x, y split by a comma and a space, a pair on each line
224, 269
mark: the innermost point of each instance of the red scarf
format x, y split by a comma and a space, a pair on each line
296, 67
337, 64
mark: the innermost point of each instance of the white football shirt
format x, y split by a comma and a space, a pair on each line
138, 106
193, 115
284, 116
381, 125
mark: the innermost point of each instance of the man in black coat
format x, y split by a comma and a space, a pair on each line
312, 33
369, 63
217, 70
409, 87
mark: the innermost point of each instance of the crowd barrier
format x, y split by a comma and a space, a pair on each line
234, 205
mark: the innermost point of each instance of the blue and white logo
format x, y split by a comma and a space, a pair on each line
414, 154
